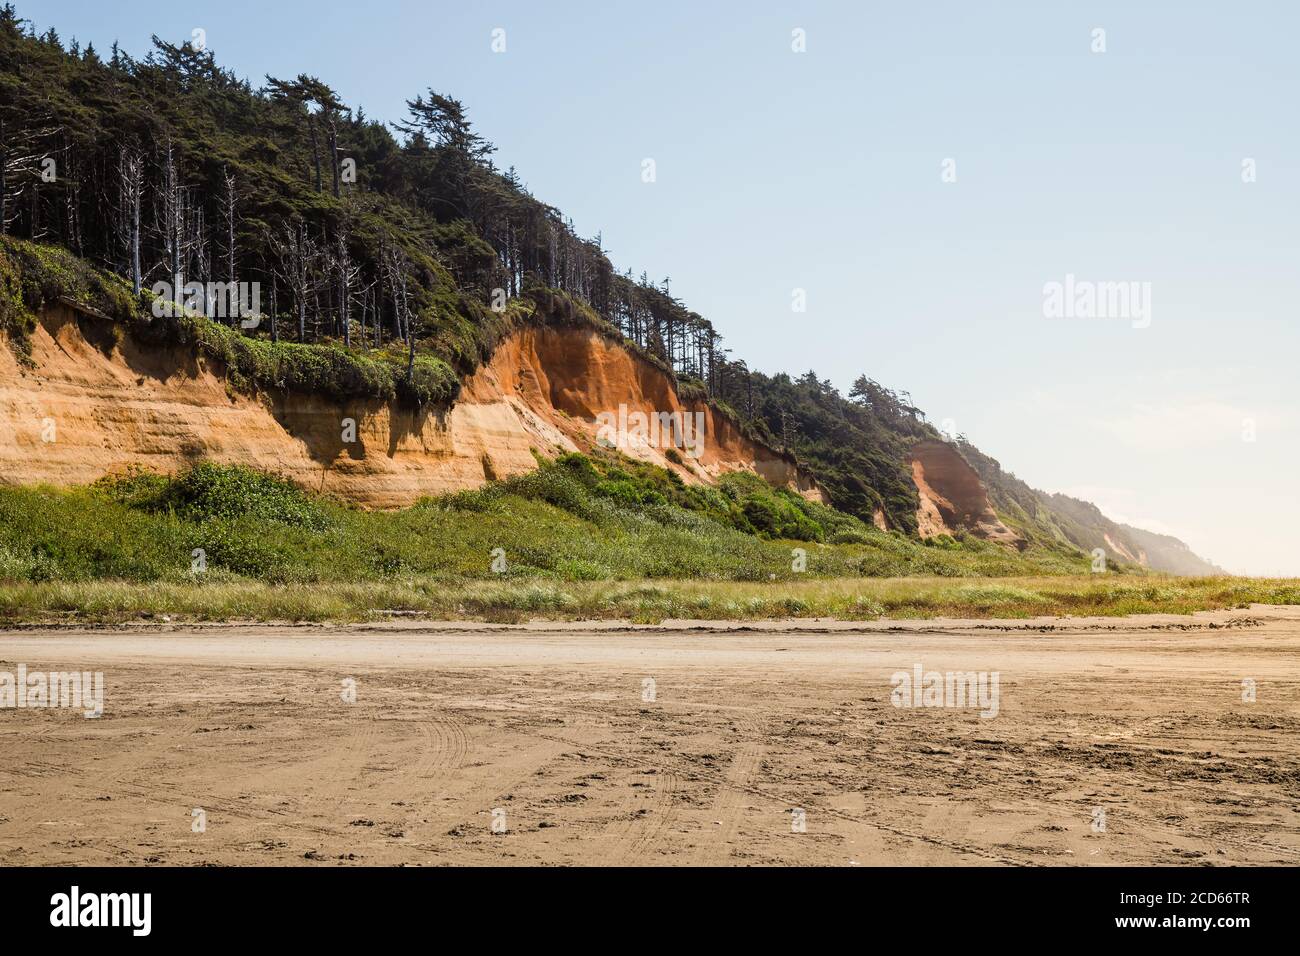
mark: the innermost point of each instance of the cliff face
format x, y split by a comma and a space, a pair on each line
93, 402
952, 497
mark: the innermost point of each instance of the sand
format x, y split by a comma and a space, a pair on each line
547, 726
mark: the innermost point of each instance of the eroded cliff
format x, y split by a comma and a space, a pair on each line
92, 402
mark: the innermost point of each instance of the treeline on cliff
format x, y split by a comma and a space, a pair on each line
404, 241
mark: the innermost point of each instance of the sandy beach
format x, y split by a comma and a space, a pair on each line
1114, 742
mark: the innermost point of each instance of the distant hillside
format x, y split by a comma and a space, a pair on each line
1167, 553
1080, 524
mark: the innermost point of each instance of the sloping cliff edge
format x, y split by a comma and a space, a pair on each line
94, 402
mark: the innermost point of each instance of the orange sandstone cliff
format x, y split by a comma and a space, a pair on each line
952, 497
91, 403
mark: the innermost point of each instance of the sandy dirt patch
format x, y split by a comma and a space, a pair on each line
547, 725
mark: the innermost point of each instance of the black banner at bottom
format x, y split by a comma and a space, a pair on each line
308, 904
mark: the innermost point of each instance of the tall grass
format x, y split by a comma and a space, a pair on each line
859, 599
601, 519
595, 537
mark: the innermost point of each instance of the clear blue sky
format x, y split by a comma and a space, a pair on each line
821, 171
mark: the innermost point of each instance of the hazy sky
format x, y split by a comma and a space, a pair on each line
823, 171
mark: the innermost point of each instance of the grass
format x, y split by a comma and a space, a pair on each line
581, 518
583, 537
856, 599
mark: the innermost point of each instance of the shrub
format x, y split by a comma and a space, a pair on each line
851, 536
210, 491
